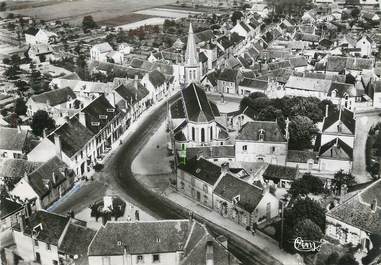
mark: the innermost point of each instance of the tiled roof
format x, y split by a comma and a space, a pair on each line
346, 117
276, 172
208, 152
156, 78
55, 97
341, 89
196, 104
212, 77
202, 169
12, 139
177, 109
250, 131
338, 64
41, 179
31, 31
140, 237
229, 187
336, 149
254, 83
357, 212
76, 240
202, 57
297, 156
17, 168
279, 65
73, 136
8, 207
229, 75
103, 47
52, 225
299, 61
311, 84
99, 111
131, 94
306, 37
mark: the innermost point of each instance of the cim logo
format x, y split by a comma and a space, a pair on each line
307, 245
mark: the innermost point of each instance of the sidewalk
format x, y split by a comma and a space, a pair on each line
260, 240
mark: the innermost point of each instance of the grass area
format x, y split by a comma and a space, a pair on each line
124, 19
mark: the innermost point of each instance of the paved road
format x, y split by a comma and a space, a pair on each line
118, 174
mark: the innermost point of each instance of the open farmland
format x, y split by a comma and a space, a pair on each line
74, 11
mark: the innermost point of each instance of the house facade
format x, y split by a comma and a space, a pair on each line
261, 141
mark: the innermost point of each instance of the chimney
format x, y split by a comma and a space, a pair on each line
44, 133
287, 129
209, 256
21, 221
57, 142
54, 178
136, 81
326, 110
18, 128
225, 168
82, 118
373, 205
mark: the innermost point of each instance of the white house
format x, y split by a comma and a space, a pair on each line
261, 141
366, 45
100, 51
155, 83
48, 238
243, 29
244, 203
40, 36
40, 53
13, 142
58, 103
357, 220
170, 242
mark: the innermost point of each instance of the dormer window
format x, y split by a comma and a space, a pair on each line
333, 94
373, 205
339, 127
261, 135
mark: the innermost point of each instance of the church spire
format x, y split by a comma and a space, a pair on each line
191, 55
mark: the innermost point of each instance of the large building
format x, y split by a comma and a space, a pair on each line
169, 242
195, 120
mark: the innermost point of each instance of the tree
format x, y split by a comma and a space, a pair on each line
237, 15
301, 131
340, 178
269, 113
355, 12
3, 6
307, 229
88, 23
41, 121
307, 184
20, 107
347, 259
12, 72
255, 95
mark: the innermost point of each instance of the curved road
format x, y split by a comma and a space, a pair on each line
119, 175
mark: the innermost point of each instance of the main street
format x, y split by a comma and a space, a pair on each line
117, 174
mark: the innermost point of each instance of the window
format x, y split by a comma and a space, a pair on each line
193, 134
36, 243
47, 246
261, 135
244, 148
182, 185
139, 259
155, 258
211, 133
205, 188
202, 135
55, 262
273, 149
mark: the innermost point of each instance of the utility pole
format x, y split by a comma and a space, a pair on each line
281, 226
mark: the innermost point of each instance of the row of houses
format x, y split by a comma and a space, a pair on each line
48, 238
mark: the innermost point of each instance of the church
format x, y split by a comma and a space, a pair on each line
193, 119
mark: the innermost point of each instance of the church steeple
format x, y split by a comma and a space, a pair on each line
191, 55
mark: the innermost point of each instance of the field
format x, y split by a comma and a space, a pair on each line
74, 11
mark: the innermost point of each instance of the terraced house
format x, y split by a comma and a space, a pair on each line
133, 243
85, 138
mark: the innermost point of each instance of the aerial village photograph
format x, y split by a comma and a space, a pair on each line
190, 132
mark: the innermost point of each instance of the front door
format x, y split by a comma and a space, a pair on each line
198, 196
